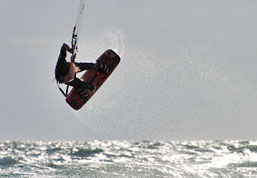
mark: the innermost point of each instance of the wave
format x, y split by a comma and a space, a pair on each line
8, 161
129, 159
82, 153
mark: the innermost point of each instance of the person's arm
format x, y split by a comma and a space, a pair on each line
66, 47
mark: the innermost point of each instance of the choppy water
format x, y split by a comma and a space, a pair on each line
131, 159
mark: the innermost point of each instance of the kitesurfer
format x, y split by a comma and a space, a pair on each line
65, 71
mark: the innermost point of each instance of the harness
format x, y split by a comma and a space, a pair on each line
65, 94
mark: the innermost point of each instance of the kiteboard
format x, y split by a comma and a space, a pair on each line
77, 100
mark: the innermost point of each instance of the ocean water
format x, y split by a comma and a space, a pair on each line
130, 159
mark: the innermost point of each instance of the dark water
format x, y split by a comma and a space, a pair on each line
131, 159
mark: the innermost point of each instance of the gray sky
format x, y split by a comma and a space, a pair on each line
188, 69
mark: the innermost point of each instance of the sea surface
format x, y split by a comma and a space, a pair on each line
130, 159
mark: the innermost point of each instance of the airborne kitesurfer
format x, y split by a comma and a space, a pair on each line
65, 71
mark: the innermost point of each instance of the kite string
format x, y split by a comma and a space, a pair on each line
79, 21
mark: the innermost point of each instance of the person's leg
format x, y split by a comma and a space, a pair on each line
100, 67
85, 66
81, 85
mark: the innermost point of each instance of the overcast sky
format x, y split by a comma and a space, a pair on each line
187, 71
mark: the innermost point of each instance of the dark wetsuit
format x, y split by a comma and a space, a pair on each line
62, 69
